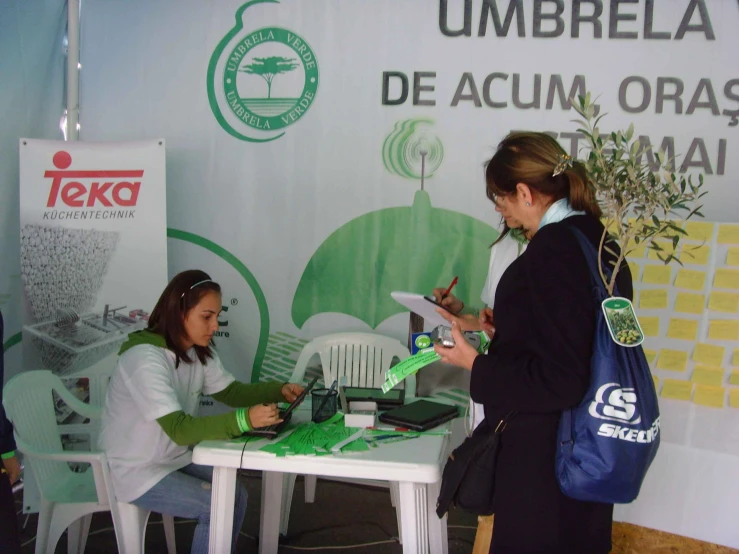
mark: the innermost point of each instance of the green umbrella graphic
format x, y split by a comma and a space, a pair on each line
411, 248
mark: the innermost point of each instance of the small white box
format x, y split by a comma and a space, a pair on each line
361, 414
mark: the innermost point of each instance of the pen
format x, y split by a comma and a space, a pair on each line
446, 293
328, 394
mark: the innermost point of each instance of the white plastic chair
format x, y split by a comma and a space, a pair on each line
362, 359
68, 498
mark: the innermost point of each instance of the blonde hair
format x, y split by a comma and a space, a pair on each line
530, 158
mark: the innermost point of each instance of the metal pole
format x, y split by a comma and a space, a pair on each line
73, 60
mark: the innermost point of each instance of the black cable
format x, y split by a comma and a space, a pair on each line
297, 536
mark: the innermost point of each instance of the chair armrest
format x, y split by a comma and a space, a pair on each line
95, 457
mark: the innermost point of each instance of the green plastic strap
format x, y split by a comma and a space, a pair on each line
242, 420
408, 367
7, 455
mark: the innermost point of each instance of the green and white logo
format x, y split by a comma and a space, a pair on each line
268, 80
411, 150
423, 341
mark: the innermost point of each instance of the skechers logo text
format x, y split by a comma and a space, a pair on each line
630, 435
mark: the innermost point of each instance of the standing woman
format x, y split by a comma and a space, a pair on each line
150, 417
539, 361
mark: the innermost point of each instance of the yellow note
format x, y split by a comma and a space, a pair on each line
726, 278
635, 271
677, 390
656, 382
723, 329
657, 274
713, 376
695, 254
672, 360
690, 279
685, 329
735, 358
724, 302
734, 398
650, 326
713, 397
651, 355
698, 230
638, 250
734, 378
732, 257
665, 249
728, 234
690, 303
653, 299
708, 354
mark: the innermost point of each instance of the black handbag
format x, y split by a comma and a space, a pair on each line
468, 480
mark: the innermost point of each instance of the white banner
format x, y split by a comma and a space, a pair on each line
93, 254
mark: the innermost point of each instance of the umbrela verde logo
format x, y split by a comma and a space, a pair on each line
261, 81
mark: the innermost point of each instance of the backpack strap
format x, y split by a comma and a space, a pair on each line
591, 256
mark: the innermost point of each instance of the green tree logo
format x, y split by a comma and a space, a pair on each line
268, 68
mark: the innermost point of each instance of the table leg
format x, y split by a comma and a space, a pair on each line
438, 540
222, 509
269, 522
413, 517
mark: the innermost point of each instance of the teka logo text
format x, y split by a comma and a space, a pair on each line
78, 188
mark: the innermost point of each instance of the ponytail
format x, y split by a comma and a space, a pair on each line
581, 192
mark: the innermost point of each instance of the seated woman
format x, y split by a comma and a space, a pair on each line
149, 419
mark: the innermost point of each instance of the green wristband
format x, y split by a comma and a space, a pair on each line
7, 455
242, 420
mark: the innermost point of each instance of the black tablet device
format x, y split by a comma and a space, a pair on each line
272, 431
420, 415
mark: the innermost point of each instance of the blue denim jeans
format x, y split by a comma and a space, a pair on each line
186, 493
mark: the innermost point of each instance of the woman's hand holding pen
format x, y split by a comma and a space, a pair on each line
450, 302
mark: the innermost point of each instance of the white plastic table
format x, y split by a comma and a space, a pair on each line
415, 464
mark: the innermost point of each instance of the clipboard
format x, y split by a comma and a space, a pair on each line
425, 306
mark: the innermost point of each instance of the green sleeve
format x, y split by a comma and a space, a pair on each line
186, 430
241, 395
8, 455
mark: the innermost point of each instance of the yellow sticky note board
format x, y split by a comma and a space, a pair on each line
734, 398
695, 254
650, 326
656, 382
713, 397
665, 249
713, 376
690, 303
732, 256
657, 274
672, 360
653, 299
708, 354
637, 252
699, 230
728, 234
735, 358
635, 271
734, 378
723, 329
677, 390
685, 329
690, 279
724, 302
726, 278
651, 355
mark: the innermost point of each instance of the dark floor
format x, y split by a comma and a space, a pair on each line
343, 515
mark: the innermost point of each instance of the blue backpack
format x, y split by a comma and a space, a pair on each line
606, 444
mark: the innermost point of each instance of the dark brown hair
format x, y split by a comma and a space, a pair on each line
530, 158
180, 296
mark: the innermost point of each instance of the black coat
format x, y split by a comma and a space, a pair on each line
7, 442
539, 364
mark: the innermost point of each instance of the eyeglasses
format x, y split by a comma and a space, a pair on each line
195, 285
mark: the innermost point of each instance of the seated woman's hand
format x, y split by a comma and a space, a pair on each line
291, 391
450, 302
462, 354
263, 415
466, 322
